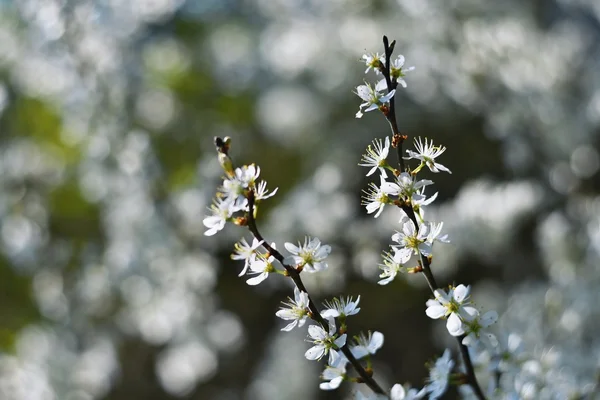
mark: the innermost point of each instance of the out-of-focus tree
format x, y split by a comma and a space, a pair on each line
108, 287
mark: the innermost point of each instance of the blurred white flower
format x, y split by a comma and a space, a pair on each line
367, 345
476, 330
399, 392
439, 375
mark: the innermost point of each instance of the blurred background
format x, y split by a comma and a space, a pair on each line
110, 290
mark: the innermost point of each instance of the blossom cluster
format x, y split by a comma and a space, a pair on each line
411, 251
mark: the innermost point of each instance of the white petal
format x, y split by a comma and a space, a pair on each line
286, 314
291, 248
461, 292
290, 326
363, 92
436, 311
359, 351
316, 332
386, 280
332, 384
398, 392
323, 251
372, 171
376, 342
315, 352
455, 325
372, 107
341, 341
468, 313
257, 279
441, 296
330, 313
470, 339
488, 318
399, 61
246, 265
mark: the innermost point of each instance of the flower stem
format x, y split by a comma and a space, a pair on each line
315, 313
397, 137
391, 117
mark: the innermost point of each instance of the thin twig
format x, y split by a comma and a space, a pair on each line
315, 314
408, 210
390, 115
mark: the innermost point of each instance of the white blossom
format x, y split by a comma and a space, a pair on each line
372, 97
341, 308
374, 198
476, 330
411, 239
261, 267
392, 264
324, 342
398, 71
454, 306
366, 345
435, 233
334, 373
406, 187
261, 192
399, 392
373, 61
246, 252
297, 310
439, 375
427, 153
221, 212
376, 156
310, 255
235, 188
